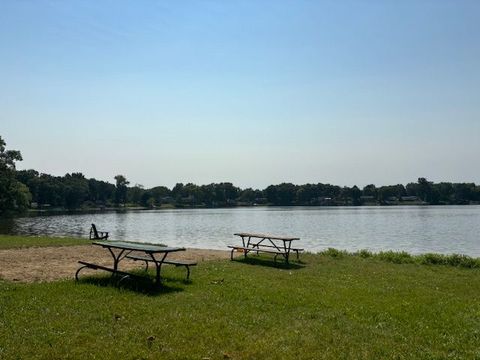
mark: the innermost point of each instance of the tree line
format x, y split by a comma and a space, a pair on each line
23, 189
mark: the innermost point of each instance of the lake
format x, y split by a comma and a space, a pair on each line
415, 229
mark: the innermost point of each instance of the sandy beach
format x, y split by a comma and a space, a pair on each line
41, 264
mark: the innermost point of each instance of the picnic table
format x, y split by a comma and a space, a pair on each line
265, 243
121, 250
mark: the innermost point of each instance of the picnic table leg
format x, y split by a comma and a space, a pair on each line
188, 271
287, 249
158, 265
79, 269
116, 259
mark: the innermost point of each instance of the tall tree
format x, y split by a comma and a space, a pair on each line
14, 196
76, 190
121, 189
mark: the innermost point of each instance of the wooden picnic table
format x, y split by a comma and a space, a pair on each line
266, 243
121, 250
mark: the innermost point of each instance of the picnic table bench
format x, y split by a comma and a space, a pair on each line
120, 250
278, 245
148, 259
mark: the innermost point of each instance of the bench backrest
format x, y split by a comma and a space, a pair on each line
94, 233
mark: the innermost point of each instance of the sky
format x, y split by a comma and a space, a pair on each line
250, 92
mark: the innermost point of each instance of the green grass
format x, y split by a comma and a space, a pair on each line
342, 307
403, 257
13, 242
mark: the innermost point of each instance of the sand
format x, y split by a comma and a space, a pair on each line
41, 264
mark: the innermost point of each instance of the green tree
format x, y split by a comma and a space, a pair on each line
14, 196
51, 190
121, 189
76, 190
424, 189
248, 195
282, 194
155, 196
134, 194
370, 190
355, 193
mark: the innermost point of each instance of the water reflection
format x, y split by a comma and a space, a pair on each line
443, 229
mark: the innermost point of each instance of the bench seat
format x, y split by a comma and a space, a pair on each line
271, 246
101, 267
249, 248
265, 249
147, 259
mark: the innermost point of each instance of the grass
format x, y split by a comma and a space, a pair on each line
329, 307
403, 257
14, 242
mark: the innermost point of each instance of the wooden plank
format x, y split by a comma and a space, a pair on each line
97, 267
280, 246
171, 262
267, 236
181, 262
136, 246
249, 249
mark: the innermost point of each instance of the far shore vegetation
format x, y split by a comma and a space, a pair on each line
331, 305
22, 190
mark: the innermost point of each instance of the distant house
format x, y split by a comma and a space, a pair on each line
367, 198
260, 201
167, 200
325, 201
391, 200
409, 198
188, 199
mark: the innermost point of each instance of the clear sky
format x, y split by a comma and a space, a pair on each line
251, 92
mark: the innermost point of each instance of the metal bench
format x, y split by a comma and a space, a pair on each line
147, 259
97, 235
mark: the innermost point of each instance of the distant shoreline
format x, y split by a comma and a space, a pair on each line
139, 208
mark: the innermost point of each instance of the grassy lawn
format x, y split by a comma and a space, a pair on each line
340, 307
13, 242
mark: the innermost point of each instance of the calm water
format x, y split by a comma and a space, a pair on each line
441, 229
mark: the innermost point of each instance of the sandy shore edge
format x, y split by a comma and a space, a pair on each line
43, 264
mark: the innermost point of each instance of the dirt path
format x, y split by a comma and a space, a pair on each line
53, 263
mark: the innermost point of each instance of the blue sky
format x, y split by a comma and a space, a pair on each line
252, 92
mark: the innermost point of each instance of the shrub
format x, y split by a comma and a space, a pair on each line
364, 253
462, 261
334, 253
403, 257
433, 259
396, 257
451, 260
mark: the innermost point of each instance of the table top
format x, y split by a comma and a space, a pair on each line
137, 246
267, 236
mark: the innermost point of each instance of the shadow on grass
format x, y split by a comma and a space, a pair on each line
256, 260
135, 283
